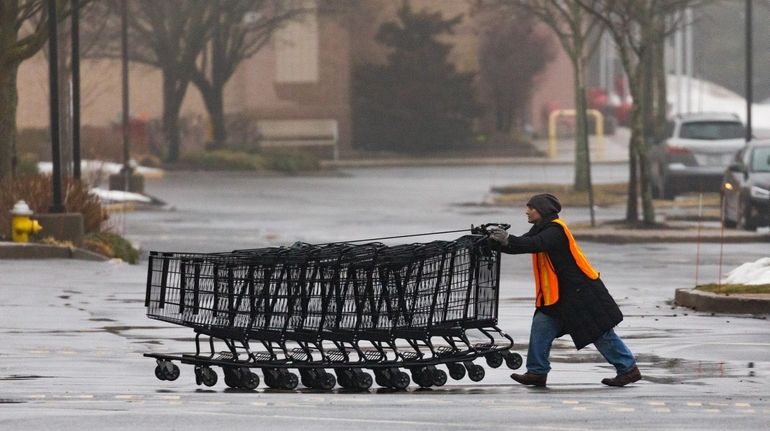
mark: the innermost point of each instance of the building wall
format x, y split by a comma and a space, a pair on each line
314, 84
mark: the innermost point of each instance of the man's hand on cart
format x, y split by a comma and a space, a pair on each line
498, 234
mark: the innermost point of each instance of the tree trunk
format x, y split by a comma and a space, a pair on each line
661, 102
214, 101
65, 101
8, 104
174, 90
582, 176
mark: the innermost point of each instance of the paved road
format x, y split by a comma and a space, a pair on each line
73, 332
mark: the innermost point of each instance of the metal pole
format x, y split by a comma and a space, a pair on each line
749, 70
678, 48
688, 59
76, 88
124, 57
53, 82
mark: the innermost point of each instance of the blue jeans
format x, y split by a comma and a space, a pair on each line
545, 329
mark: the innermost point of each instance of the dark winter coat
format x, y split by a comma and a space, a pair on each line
585, 307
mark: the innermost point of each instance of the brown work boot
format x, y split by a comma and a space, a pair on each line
530, 379
624, 379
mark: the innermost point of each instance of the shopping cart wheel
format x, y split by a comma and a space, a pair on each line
271, 378
382, 378
514, 361
208, 376
326, 381
289, 381
363, 380
159, 373
439, 377
494, 359
476, 373
346, 377
399, 379
249, 380
456, 371
232, 377
307, 377
422, 377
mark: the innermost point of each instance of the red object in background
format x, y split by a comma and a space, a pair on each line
597, 98
623, 114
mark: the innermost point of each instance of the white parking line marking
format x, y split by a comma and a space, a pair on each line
742, 405
570, 402
694, 404
127, 397
657, 403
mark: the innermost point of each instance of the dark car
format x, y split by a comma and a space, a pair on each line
694, 154
746, 188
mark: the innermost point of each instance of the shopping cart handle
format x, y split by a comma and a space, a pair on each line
483, 229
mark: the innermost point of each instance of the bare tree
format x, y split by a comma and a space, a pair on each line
510, 70
574, 29
169, 35
23, 32
240, 29
639, 28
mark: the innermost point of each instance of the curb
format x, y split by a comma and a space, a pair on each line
45, 251
506, 161
647, 236
719, 303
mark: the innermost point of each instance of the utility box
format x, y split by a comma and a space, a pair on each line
62, 227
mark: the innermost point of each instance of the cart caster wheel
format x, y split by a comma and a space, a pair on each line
399, 379
494, 359
271, 378
232, 377
250, 381
514, 361
456, 371
382, 378
289, 381
422, 377
159, 373
326, 381
172, 372
208, 376
363, 380
345, 377
476, 373
308, 378
439, 377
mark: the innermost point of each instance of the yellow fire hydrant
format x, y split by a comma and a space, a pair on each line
22, 225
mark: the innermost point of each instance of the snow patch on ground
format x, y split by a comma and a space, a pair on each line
757, 272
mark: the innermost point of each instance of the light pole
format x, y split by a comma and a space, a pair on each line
53, 82
76, 89
749, 70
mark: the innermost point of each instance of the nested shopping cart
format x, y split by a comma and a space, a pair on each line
395, 310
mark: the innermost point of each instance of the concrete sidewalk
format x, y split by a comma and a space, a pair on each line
613, 149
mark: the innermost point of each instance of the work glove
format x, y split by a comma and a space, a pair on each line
498, 234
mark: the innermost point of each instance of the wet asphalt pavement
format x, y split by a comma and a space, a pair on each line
73, 332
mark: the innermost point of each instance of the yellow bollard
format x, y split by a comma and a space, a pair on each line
22, 225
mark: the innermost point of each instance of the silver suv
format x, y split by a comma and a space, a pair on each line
695, 152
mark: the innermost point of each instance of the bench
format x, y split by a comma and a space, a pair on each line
311, 134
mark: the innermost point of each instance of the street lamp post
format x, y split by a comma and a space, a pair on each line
53, 81
76, 88
749, 70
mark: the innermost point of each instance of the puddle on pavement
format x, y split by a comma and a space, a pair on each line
9, 401
24, 377
101, 319
661, 370
126, 301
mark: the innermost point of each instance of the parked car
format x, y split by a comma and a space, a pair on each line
746, 188
694, 153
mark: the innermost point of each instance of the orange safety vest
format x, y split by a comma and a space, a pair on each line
546, 282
